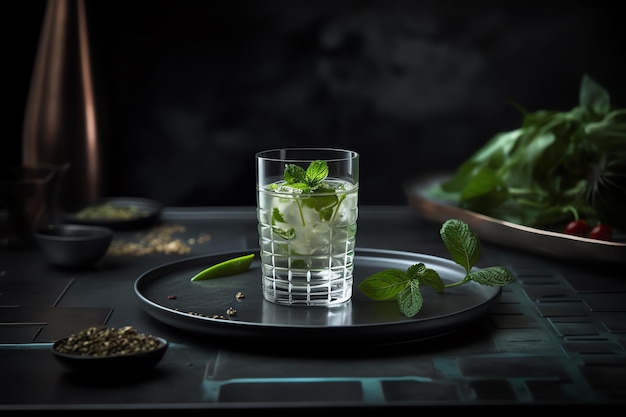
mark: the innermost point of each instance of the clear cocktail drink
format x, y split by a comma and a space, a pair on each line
307, 234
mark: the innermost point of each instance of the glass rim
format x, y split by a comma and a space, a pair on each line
274, 154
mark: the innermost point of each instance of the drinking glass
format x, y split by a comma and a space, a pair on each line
307, 208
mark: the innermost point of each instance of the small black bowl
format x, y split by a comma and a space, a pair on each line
74, 245
111, 364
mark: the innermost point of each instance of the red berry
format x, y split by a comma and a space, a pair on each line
601, 231
577, 228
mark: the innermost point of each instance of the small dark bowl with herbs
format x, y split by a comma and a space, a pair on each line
118, 213
103, 350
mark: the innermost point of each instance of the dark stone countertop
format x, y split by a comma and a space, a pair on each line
555, 337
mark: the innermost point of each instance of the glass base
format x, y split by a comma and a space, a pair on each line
302, 293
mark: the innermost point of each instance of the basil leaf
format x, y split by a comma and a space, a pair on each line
593, 97
550, 169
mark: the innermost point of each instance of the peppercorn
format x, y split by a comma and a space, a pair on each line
107, 341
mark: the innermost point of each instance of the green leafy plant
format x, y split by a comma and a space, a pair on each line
404, 286
555, 168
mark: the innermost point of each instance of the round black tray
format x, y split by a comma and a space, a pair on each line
168, 294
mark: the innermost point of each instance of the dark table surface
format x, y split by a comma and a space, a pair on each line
556, 337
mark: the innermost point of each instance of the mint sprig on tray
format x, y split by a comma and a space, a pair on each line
404, 286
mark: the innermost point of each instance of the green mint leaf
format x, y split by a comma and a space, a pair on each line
326, 214
461, 242
493, 276
384, 285
410, 299
416, 270
298, 263
316, 172
277, 216
300, 186
294, 174
323, 204
426, 276
324, 188
285, 233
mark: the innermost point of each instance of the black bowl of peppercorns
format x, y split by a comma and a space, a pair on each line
107, 350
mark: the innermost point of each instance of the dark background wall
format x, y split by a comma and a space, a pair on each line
190, 90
